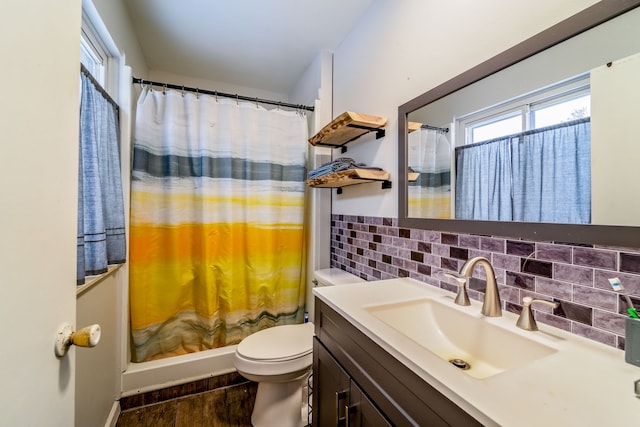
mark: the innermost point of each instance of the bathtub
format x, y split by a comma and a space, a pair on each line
156, 374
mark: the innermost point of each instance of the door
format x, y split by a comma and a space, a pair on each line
340, 402
331, 389
362, 412
39, 118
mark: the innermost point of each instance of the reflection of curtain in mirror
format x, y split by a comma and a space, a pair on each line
542, 175
430, 156
552, 174
483, 181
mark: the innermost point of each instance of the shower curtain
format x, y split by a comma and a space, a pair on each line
430, 155
217, 240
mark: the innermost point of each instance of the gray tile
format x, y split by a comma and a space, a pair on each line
595, 258
549, 252
595, 334
595, 298
554, 288
574, 274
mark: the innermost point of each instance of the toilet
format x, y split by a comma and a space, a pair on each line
279, 359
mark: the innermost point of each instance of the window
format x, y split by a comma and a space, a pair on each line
93, 53
527, 159
571, 107
101, 221
550, 106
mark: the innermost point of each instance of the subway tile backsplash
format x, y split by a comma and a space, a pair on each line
576, 276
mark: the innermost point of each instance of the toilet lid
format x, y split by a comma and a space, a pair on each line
278, 343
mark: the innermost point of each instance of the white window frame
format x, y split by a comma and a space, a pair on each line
522, 105
95, 37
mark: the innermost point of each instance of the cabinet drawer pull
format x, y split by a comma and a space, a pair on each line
346, 415
340, 421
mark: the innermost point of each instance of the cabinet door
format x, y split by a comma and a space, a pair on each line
330, 389
362, 413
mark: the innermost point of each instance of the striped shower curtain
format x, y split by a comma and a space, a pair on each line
217, 241
429, 155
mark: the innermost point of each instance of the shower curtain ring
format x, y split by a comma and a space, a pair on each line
237, 103
197, 93
183, 91
164, 89
256, 102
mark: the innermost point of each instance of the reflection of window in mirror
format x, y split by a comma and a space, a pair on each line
527, 159
559, 103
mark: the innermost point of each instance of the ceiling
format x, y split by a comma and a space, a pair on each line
263, 44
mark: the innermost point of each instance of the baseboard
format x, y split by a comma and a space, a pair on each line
113, 415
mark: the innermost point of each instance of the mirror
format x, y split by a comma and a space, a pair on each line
589, 50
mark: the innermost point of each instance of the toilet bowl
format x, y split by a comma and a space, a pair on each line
279, 359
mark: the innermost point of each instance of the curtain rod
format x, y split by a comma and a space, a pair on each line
443, 130
527, 132
225, 95
99, 87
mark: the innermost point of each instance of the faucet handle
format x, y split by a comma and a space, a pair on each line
462, 298
526, 320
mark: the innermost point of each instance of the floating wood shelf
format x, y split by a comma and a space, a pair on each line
347, 127
412, 176
350, 177
413, 126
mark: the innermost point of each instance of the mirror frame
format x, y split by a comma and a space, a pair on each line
627, 236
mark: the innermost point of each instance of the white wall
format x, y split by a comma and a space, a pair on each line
315, 87
39, 116
401, 49
616, 102
177, 79
115, 16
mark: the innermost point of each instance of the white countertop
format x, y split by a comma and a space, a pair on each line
584, 383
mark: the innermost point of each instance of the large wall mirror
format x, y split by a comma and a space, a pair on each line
539, 142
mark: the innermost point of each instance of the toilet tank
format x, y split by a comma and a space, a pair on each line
333, 277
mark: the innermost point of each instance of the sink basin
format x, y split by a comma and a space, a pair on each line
470, 341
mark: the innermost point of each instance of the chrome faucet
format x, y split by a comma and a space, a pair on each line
491, 306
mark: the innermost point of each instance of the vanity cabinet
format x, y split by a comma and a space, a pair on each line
340, 397
358, 383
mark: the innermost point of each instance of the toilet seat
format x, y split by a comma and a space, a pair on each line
281, 352
280, 343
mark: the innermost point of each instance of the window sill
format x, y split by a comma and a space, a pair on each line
92, 281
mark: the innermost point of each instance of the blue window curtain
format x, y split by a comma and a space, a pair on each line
543, 175
552, 174
101, 229
483, 181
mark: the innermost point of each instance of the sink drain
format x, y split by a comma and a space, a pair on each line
460, 364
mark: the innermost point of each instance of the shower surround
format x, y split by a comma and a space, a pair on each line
575, 275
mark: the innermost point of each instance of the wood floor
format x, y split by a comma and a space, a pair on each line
228, 406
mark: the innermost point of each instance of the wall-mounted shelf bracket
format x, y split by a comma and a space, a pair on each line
379, 131
385, 185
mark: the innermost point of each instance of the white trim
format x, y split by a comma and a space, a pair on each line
161, 373
91, 281
112, 419
99, 35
